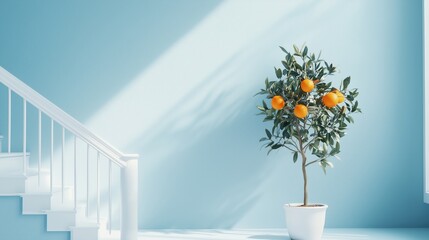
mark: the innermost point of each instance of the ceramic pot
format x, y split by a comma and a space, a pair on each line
305, 223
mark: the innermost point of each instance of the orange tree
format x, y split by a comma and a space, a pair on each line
308, 113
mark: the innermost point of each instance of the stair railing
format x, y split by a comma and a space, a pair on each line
128, 163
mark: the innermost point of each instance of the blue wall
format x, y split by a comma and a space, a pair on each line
174, 81
15, 226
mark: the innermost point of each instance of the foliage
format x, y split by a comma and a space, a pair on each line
321, 130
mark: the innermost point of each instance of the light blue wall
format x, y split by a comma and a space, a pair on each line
175, 80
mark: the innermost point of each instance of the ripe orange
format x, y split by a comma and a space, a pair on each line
339, 95
330, 99
307, 85
277, 102
300, 111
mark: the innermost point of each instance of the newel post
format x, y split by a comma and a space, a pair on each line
129, 188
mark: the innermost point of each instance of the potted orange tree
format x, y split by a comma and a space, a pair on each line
309, 116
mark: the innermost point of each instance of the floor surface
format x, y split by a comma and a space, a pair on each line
281, 234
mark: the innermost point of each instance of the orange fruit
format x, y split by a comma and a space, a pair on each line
339, 95
330, 99
307, 85
300, 111
277, 102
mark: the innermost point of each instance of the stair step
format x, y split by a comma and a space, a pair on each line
33, 185
114, 235
34, 188
12, 184
35, 203
40, 202
91, 230
60, 220
12, 162
84, 232
66, 220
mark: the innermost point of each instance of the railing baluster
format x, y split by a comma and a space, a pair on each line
39, 165
9, 119
52, 156
62, 165
110, 197
87, 180
75, 174
24, 137
98, 187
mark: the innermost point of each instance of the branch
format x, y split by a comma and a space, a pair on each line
308, 143
315, 161
289, 148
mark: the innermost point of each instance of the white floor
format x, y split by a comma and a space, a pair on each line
281, 234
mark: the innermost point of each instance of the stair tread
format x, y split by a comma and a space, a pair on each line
19, 173
65, 210
35, 194
13, 175
10, 194
86, 225
43, 193
12, 154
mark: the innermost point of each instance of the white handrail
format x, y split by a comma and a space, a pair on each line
64, 119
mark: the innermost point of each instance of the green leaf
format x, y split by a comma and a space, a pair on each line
278, 72
284, 50
264, 104
263, 139
269, 144
276, 146
285, 64
268, 118
346, 83
268, 133
285, 71
304, 53
322, 163
286, 133
294, 73
296, 50
295, 157
355, 106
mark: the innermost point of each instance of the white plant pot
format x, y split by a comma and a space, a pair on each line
305, 223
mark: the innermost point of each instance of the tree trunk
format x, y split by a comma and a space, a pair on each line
304, 174
304, 161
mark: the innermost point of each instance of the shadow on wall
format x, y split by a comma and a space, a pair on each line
203, 176
205, 169
207, 183
195, 126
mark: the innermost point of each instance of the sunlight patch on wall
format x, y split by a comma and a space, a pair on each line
190, 85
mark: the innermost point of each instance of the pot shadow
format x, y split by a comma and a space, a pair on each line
270, 237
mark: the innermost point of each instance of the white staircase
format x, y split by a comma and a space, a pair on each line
82, 202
